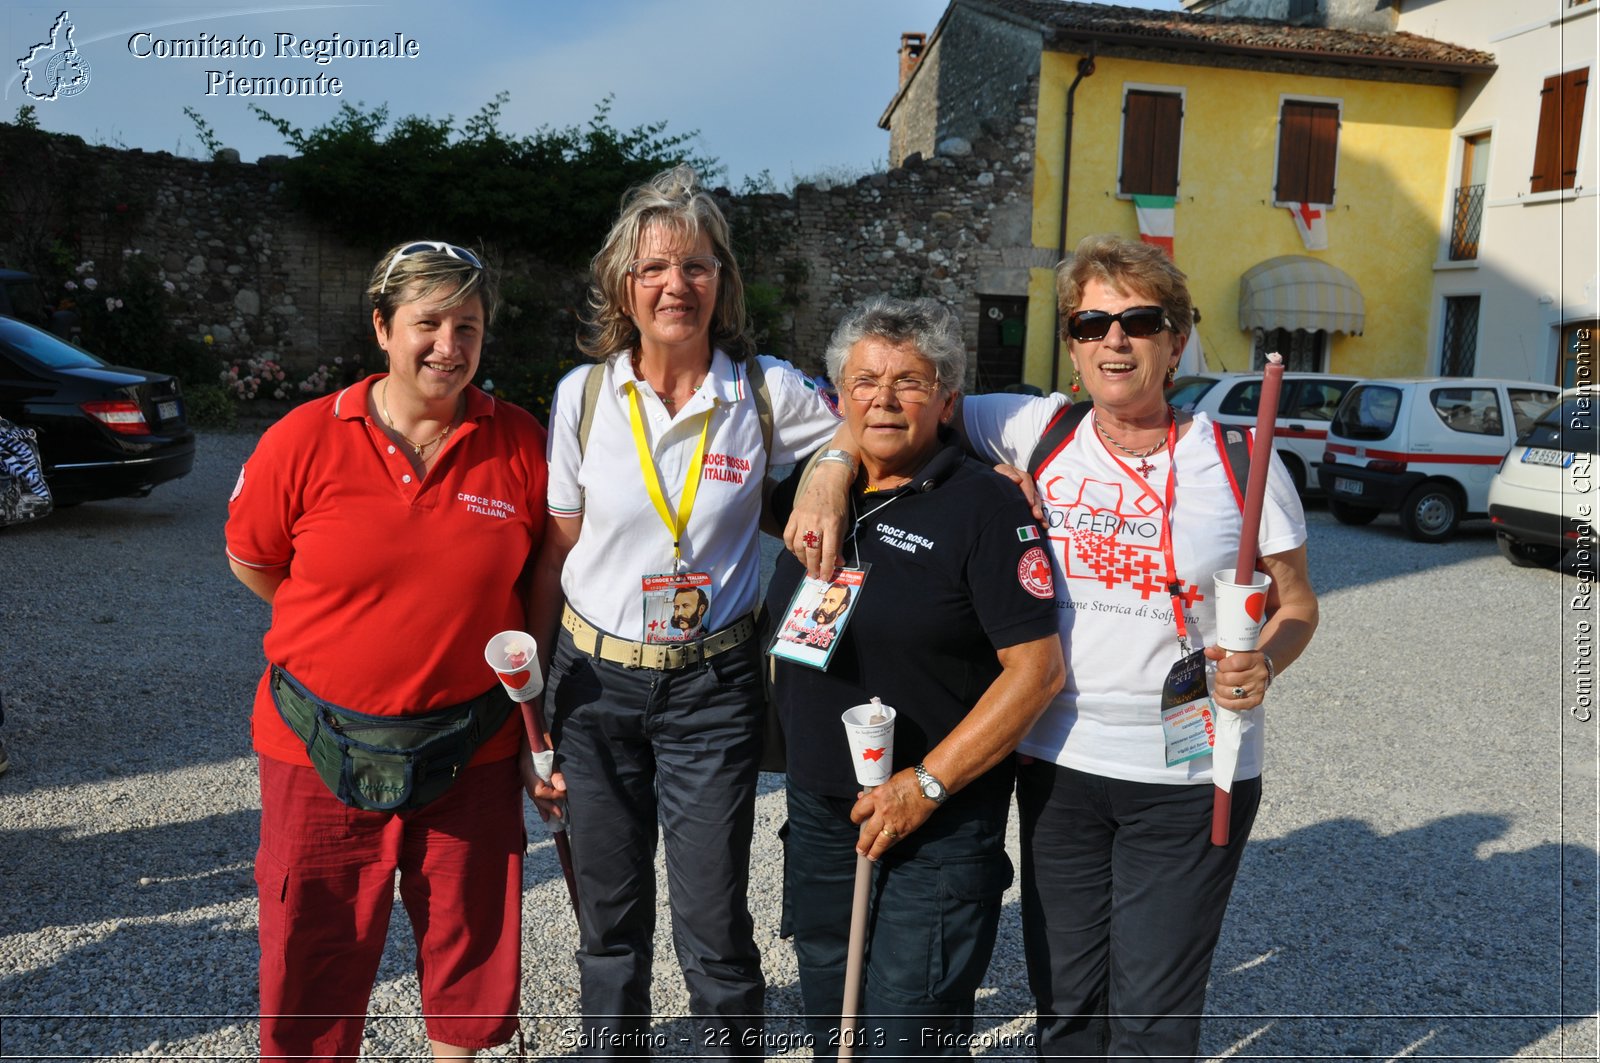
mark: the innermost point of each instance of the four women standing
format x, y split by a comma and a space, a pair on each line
656, 458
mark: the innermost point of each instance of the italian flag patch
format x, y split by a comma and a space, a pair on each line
1028, 534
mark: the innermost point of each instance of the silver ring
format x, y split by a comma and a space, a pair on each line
1238, 692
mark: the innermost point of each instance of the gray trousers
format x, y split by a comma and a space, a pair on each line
681, 748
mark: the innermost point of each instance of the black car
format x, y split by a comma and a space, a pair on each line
104, 431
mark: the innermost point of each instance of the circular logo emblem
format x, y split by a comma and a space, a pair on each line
1033, 572
67, 74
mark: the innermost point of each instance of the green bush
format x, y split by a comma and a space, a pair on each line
210, 406
553, 193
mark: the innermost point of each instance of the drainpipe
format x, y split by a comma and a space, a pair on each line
1085, 69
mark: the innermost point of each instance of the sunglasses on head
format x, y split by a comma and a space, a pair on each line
422, 246
1136, 321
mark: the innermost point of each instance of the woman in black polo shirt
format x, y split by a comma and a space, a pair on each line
955, 627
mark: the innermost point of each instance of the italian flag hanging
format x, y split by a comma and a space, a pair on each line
1156, 216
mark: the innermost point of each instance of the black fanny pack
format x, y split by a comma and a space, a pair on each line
387, 763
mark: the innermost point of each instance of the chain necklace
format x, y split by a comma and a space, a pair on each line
1145, 469
418, 448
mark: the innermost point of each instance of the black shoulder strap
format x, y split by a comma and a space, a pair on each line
1057, 434
1234, 445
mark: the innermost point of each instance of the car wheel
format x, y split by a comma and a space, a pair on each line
1527, 555
1355, 516
1431, 512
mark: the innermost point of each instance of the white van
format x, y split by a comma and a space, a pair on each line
1305, 406
1425, 448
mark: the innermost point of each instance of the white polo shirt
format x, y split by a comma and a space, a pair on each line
623, 536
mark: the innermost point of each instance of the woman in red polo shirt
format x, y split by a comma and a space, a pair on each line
390, 526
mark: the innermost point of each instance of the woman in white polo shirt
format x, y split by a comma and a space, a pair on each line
655, 489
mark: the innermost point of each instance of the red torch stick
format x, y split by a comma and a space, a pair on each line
1245, 565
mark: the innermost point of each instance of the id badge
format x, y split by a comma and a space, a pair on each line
676, 606
1187, 716
817, 616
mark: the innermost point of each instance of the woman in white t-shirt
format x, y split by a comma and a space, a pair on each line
642, 605
1123, 893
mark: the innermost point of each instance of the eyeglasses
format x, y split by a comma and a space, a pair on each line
422, 246
653, 272
909, 390
1136, 321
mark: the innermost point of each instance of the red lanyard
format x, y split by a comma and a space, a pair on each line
1174, 585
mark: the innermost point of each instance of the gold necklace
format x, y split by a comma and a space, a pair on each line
1135, 453
418, 448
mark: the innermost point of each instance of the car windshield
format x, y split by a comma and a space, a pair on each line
1187, 390
43, 347
1368, 412
1569, 425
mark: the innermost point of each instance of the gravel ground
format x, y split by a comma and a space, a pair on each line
1421, 882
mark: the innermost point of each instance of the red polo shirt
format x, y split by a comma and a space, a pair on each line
394, 584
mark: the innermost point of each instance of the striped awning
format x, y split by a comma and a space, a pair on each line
1299, 292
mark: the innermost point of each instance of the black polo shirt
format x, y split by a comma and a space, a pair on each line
956, 574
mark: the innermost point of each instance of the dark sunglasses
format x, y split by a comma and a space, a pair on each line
421, 246
1136, 321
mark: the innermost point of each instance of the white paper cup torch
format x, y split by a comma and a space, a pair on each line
870, 729
1241, 609
514, 656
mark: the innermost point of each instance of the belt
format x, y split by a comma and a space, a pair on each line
662, 657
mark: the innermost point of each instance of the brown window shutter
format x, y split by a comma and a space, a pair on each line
1574, 96
1168, 129
1138, 133
1323, 153
1546, 153
1294, 142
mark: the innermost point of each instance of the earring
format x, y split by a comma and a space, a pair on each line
1172, 371
1075, 387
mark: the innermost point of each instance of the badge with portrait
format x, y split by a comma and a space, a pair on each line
1188, 719
817, 616
676, 605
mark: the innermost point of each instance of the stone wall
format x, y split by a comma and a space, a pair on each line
952, 226
247, 269
261, 279
976, 68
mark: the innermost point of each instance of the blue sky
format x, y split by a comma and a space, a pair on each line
792, 87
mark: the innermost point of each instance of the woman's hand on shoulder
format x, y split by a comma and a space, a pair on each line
816, 527
1025, 484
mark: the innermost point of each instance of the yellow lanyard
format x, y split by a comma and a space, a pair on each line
676, 525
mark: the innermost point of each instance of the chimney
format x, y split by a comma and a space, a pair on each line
911, 45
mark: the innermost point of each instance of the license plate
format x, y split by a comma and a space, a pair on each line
1546, 456
1348, 486
167, 411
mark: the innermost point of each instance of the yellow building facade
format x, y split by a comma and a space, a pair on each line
1393, 155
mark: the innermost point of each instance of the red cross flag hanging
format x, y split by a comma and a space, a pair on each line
1310, 220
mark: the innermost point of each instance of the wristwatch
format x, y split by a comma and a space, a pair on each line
932, 788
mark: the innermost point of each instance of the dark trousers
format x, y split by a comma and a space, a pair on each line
932, 921
637, 746
1123, 896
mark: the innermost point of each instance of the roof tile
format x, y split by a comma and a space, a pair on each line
1179, 29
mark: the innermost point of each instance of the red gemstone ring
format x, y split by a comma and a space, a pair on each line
811, 539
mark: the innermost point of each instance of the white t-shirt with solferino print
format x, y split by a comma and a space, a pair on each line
1117, 628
